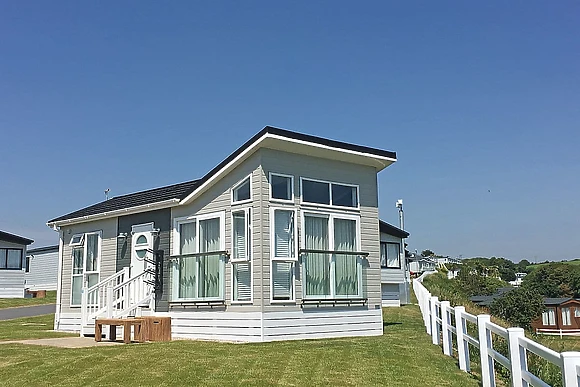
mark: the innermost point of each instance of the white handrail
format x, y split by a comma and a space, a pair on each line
437, 317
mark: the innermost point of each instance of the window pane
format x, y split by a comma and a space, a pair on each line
2, 258
239, 238
315, 192
242, 191
92, 252
141, 253
316, 265
187, 277
141, 240
210, 280
346, 270
393, 255
77, 239
383, 254
242, 282
187, 238
77, 260
284, 234
14, 260
281, 187
77, 287
343, 195
92, 279
209, 234
282, 280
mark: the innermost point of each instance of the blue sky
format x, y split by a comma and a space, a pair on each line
479, 100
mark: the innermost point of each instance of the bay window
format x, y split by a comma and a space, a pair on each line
86, 256
283, 253
281, 187
330, 269
200, 254
241, 255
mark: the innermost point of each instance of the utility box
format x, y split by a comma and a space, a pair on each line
156, 328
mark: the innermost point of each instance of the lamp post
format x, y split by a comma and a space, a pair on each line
399, 205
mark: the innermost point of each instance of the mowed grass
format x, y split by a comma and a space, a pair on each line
16, 302
403, 356
40, 327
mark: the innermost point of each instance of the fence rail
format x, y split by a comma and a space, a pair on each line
438, 317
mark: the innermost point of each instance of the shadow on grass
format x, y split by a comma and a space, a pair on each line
388, 323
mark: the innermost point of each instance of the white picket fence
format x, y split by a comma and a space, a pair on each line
439, 324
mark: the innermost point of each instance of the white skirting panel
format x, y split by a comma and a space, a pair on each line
12, 292
68, 322
386, 303
322, 323
212, 325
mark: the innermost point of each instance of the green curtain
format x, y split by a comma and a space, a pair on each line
346, 273
209, 265
317, 265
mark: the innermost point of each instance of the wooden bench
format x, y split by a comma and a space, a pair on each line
113, 323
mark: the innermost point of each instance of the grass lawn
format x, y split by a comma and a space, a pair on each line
39, 327
14, 302
403, 356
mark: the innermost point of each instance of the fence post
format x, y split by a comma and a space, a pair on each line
517, 357
487, 369
462, 345
434, 324
84, 299
109, 300
569, 362
447, 335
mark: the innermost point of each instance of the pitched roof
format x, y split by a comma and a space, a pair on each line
155, 195
42, 249
7, 237
556, 300
392, 230
181, 191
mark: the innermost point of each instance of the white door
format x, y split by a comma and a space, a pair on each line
141, 252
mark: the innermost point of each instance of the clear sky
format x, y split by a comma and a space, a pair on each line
480, 100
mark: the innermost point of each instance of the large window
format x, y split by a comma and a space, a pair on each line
328, 193
11, 259
86, 250
390, 255
281, 187
330, 269
566, 316
283, 253
549, 317
199, 271
241, 255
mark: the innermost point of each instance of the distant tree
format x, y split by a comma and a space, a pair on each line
554, 280
476, 281
519, 307
427, 253
522, 266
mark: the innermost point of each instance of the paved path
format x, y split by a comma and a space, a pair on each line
26, 311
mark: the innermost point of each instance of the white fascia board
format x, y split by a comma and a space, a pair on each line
383, 160
122, 211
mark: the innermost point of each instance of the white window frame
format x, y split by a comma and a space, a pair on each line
566, 316
330, 183
237, 185
576, 311
142, 246
331, 216
272, 234
79, 243
292, 260
291, 177
549, 318
400, 266
176, 251
248, 260
84, 273
249, 250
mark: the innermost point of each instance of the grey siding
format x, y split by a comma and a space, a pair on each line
161, 220
12, 281
43, 270
331, 170
108, 228
218, 199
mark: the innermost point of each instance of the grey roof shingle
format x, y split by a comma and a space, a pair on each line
6, 236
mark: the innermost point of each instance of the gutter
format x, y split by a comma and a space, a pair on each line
123, 211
